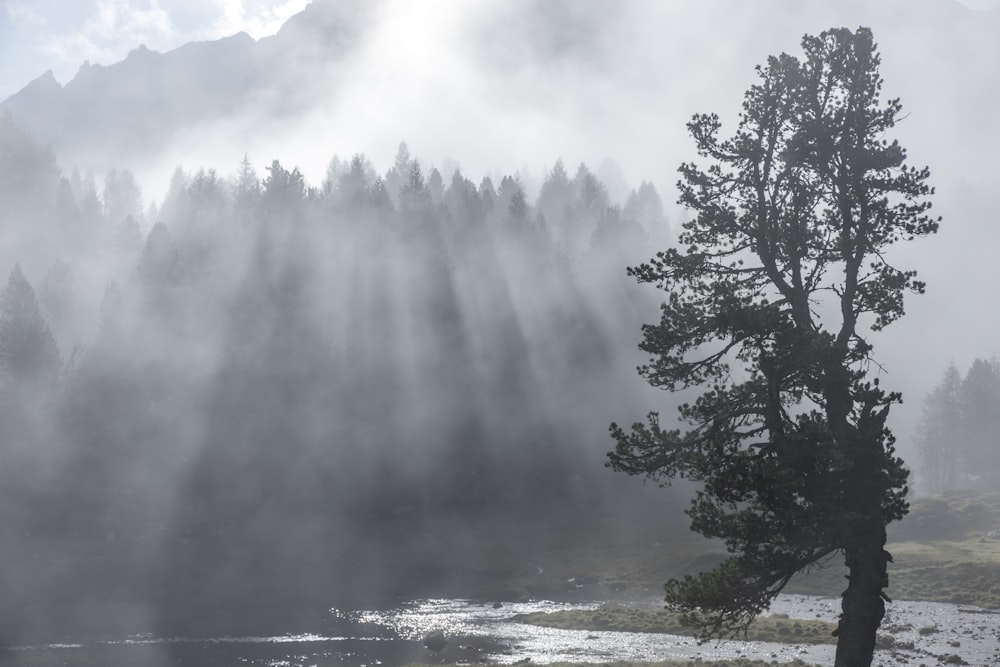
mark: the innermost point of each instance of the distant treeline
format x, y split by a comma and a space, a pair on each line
276, 368
959, 430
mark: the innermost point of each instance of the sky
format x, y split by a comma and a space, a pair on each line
60, 35
637, 118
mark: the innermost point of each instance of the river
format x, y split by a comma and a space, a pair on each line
925, 634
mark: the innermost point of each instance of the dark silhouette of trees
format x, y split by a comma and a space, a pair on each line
399, 174
282, 192
157, 265
957, 432
556, 195
357, 187
277, 373
246, 191
88, 201
414, 197
29, 176
29, 358
646, 208
128, 237
122, 196
939, 433
979, 400
775, 282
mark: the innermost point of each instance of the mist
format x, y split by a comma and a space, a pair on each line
341, 315
387, 375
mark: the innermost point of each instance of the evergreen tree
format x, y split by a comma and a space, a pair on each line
246, 191
59, 296
617, 239
463, 203
414, 197
29, 356
128, 238
175, 204
334, 169
435, 186
398, 175
157, 267
354, 186
122, 196
556, 200
646, 208
979, 436
517, 211
66, 208
488, 194
592, 196
789, 438
939, 433
89, 201
29, 175
283, 193
509, 187
379, 195
556, 193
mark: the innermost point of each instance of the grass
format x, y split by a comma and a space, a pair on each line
959, 572
966, 572
778, 628
939, 553
736, 662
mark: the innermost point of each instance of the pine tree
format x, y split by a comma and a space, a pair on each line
776, 279
122, 196
978, 441
29, 356
246, 191
939, 433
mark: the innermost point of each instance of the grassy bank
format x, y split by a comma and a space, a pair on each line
776, 628
737, 662
941, 553
959, 572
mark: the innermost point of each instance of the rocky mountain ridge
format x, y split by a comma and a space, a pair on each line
602, 72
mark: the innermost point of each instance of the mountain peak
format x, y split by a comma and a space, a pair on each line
140, 51
43, 85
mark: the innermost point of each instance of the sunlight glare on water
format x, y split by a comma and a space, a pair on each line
924, 633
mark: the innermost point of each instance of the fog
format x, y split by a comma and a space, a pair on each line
331, 393
296, 352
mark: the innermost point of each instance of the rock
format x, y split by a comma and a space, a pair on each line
435, 640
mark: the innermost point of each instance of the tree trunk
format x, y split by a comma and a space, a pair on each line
863, 601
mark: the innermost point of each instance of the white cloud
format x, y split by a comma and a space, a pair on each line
60, 35
111, 29
23, 13
147, 22
258, 18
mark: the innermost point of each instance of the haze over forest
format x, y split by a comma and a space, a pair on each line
357, 290
510, 87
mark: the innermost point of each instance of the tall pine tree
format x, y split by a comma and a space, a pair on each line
770, 294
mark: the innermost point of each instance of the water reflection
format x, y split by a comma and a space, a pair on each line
925, 633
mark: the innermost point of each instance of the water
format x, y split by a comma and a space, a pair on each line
925, 633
